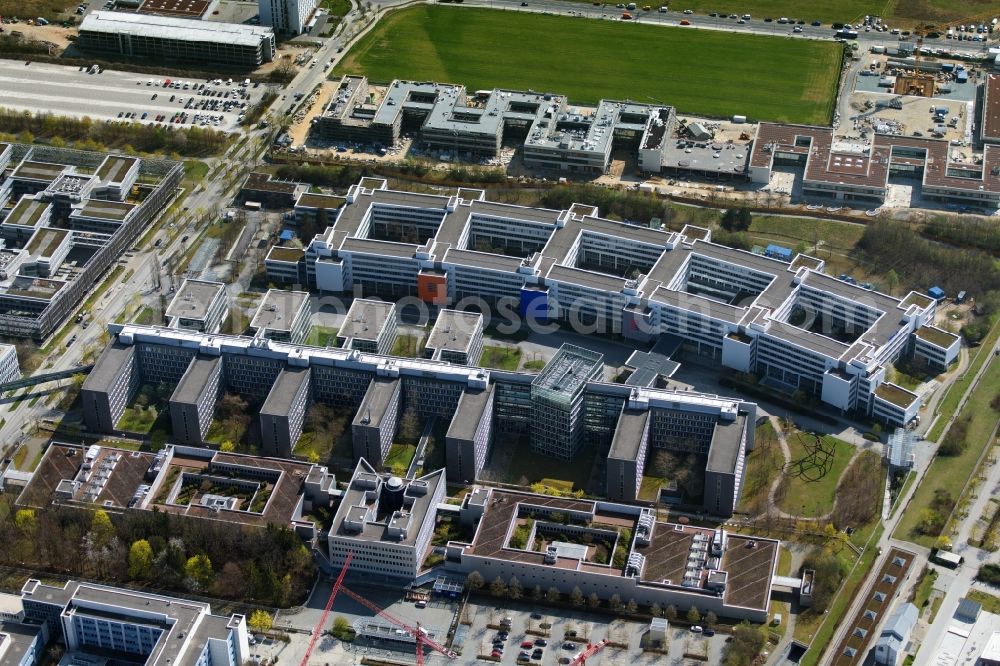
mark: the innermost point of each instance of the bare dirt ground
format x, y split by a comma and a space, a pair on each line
53, 34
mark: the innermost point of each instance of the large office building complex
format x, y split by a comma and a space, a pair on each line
785, 320
176, 39
124, 626
556, 135
601, 548
477, 406
65, 217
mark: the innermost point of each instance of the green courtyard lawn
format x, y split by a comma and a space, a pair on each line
700, 72
527, 468
763, 465
322, 336
408, 346
399, 458
810, 484
951, 473
502, 358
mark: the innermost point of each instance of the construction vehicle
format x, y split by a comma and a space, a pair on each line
419, 634
326, 610
592, 649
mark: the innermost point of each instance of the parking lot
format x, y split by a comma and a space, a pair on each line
113, 95
567, 633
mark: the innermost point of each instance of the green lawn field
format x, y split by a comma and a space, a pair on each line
700, 72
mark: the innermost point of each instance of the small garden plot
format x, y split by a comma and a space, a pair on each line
218, 492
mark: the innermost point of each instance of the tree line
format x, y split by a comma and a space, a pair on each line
167, 552
88, 134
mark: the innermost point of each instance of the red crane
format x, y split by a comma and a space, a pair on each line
419, 633
592, 649
326, 611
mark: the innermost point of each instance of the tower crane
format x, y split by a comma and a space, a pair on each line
326, 610
419, 633
592, 649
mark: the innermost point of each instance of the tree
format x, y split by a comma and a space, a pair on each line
576, 596
656, 610
199, 570
631, 607
552, 596
101, 529
615, 602
140, 560
409, 426
228, 447
670, 613
891, 281
25, 521
536, 593
260, 621
593, 601
693, 616
474, 581
711, 619
498, 588
747, 643
514, 589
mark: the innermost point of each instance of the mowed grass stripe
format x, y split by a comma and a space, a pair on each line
700, 72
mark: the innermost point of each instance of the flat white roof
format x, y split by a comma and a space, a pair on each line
172, 27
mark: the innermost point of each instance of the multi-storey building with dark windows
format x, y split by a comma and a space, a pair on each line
565, 407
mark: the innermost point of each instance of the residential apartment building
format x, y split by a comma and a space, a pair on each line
784, 320
123, 624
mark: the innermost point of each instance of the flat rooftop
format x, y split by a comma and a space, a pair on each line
366, 319
185, 8
471, 406
324, 201
289, 254
172, 27
33, 287
115, 167
991, 108
194, 299
376, 401
356, 506
936, 336
16, 639
726, 445
454, 331
569, 370
195, 378
108, 365
264, 182
278, 310
896, 395
628, 434
105, 210
284, 390
45, 241
42, 171
27, 212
